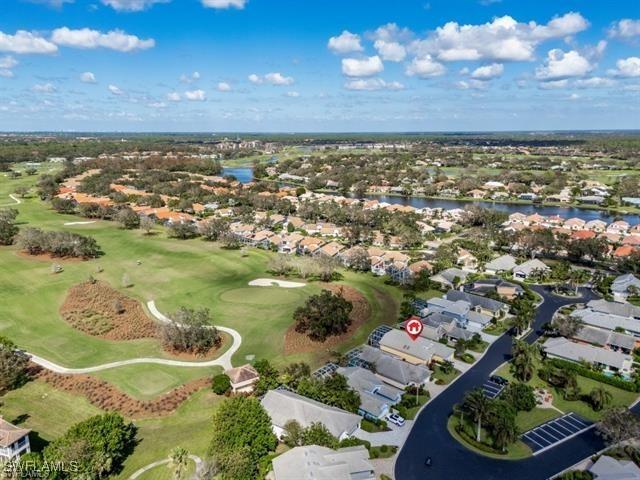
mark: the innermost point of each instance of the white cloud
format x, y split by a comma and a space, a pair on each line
25, 42
391, 33
88, 77
574, 96
223, 87
195, 95
114, 89
487, 72
53, 3
502, 39
371, 84
553, 84
131, 5
626, 67
594, 82
362, 67
157, 105
276, 78
560, 64
346, 42
7, 63
625, 28
292, 94
472, 84
184, 78
87, 38
44, 88
224, 3
425, 67
253, 78
173, 97
391, 51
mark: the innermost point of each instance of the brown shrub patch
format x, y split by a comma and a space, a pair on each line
99, 310
47, 257
107, 397
295, 342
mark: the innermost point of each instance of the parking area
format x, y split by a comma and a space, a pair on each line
553, 432
491, 389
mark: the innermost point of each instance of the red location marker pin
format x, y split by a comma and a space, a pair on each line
413, 328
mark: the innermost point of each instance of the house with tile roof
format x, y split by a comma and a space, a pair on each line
14, 441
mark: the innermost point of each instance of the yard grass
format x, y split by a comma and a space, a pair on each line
369, 426
619, 397
46, 411
497, 329
165, 472
410, 413
446, 378
528, 420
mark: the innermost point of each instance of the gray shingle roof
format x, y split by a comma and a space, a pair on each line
476, 300
320, 463
563, 348
622, 283
393, 368
282, 406
505, 263
615, 308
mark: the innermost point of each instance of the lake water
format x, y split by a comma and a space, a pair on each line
245, 175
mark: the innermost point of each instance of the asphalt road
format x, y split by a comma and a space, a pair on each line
430, 437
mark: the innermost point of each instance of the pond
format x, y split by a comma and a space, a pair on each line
245, 175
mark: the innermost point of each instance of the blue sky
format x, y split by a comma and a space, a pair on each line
329, 65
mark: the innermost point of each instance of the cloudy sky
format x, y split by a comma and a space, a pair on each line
329, 65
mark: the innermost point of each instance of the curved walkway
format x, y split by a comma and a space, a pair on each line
430, 437
223, 361
15, 199
197, 460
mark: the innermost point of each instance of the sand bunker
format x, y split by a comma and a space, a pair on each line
272, 282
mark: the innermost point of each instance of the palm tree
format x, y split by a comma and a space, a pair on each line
179, 458
478, 406
600, 398
524, 357
504, 430
520, 323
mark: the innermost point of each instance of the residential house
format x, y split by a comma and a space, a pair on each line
608, 321
283, 406
14, 441
623, 286
418, 352
609, 468
619, 226
503, 288
309, 246
287, 242
616, 341
450, 278
596, 226
529, 268
376, 398
243, 378
480, 304
504, 263
457, 310
262, 238
609, 360
467, 260
321, 463
330, 249
574, 224
393, 370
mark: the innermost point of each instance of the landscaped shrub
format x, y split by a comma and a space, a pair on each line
600, 377
221, 384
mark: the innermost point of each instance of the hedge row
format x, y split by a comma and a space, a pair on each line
600, 377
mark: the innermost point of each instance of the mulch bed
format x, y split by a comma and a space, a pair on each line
109, 398
91, 308
295, 342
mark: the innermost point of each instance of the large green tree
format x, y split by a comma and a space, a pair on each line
13, 365
97, 446
323, 315
242, 437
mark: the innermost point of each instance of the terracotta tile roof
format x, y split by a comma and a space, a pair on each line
9, 433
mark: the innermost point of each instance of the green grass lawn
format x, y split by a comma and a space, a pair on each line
446, 378
619, 397
47, 412
192, 273
165, 472
527, 420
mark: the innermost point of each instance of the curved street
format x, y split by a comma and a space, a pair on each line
430, 437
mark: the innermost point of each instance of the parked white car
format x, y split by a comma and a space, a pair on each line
395, 419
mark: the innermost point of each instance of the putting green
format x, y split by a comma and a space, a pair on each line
263, 295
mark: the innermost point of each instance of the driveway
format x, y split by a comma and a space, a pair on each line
396, 436
430, 437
